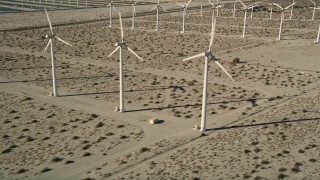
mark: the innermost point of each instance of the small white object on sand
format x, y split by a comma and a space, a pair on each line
153, 121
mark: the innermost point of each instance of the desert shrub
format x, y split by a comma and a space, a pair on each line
57, 159
236, 60
144, 149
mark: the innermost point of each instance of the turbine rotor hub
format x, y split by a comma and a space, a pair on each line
122, 45
50, 36
210, 56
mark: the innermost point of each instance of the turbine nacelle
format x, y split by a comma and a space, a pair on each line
123, 45
210, 56
50, 36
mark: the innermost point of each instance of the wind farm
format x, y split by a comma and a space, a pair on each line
160, 89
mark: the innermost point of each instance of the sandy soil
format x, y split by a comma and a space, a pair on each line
262, 125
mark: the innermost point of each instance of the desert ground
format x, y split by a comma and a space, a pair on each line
264, 124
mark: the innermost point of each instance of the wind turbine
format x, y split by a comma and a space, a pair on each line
215, 7
133, 13
314, 9
51, 38
158, 7
253, 6
234, 7
184, 13
110, 13
318, 36
291, 10
245, 9
122, 45
282, 17
201, 4
271, 11
208, 55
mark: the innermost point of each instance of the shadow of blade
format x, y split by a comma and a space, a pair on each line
263, 124
59, 79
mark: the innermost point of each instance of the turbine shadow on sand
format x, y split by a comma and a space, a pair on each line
40, 80
251, 100
263, 124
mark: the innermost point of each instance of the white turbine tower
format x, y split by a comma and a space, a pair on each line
245, 9
110, 13
291, 10
234, 7
271, 11
314, 9
122, 45
318, 36
133, 13
201, 4
282, 17
184, 13
157, 7
253, 6
208, 56
51, 38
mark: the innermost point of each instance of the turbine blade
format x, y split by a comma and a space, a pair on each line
211, 3
251, 6
49, 21
212, 32
135, 54
290, 6
47, 45
189, 2
313, 2
278, 6
114, 51
180, 4
59, 39
121, 26
243, 4
194, 57
114, 8
163, 9
154, 8
217, 62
